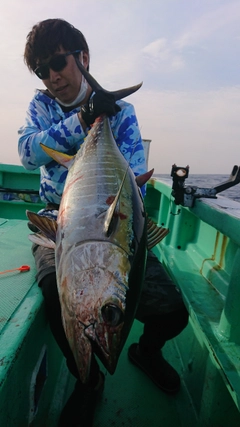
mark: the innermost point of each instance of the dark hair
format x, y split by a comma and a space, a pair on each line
47, 37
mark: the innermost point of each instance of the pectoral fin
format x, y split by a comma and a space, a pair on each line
155, 233
46, 225
41, 240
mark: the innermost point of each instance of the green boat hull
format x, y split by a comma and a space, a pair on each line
201, 254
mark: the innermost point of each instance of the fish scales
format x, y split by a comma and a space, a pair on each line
100, 249
100, 243
94, 269
104, 186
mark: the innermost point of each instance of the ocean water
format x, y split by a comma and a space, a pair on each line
209, 181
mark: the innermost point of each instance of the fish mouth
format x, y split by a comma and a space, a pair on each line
105, 334
105, 344
92, 336
93, 302
99, 343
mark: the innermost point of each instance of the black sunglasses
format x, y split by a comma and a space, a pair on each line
56, 63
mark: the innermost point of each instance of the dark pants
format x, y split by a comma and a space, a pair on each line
161, 308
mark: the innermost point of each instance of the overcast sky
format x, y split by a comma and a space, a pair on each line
186, 52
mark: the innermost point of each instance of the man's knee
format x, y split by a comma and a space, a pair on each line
48, 286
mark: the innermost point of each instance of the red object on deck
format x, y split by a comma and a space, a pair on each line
23, 268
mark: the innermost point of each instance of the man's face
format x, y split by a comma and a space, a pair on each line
65, 84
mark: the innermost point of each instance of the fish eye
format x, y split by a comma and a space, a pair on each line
112, 315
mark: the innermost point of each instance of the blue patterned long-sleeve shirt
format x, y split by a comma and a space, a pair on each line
48, 124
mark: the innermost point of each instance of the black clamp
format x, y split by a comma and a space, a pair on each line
186, 195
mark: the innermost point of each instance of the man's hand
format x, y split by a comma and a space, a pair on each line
100, 103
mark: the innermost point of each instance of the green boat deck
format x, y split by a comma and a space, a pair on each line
202, 255
129, 398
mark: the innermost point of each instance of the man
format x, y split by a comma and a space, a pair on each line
59, 117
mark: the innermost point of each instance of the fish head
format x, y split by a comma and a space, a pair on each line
93, 290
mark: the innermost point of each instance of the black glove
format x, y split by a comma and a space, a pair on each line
101, 103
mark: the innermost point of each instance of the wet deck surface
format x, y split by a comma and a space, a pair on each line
15, 251
130, 399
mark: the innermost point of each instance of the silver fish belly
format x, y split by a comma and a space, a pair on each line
94, 264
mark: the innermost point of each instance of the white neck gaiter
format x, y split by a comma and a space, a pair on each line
81, 95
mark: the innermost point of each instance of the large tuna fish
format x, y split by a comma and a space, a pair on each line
100, 248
